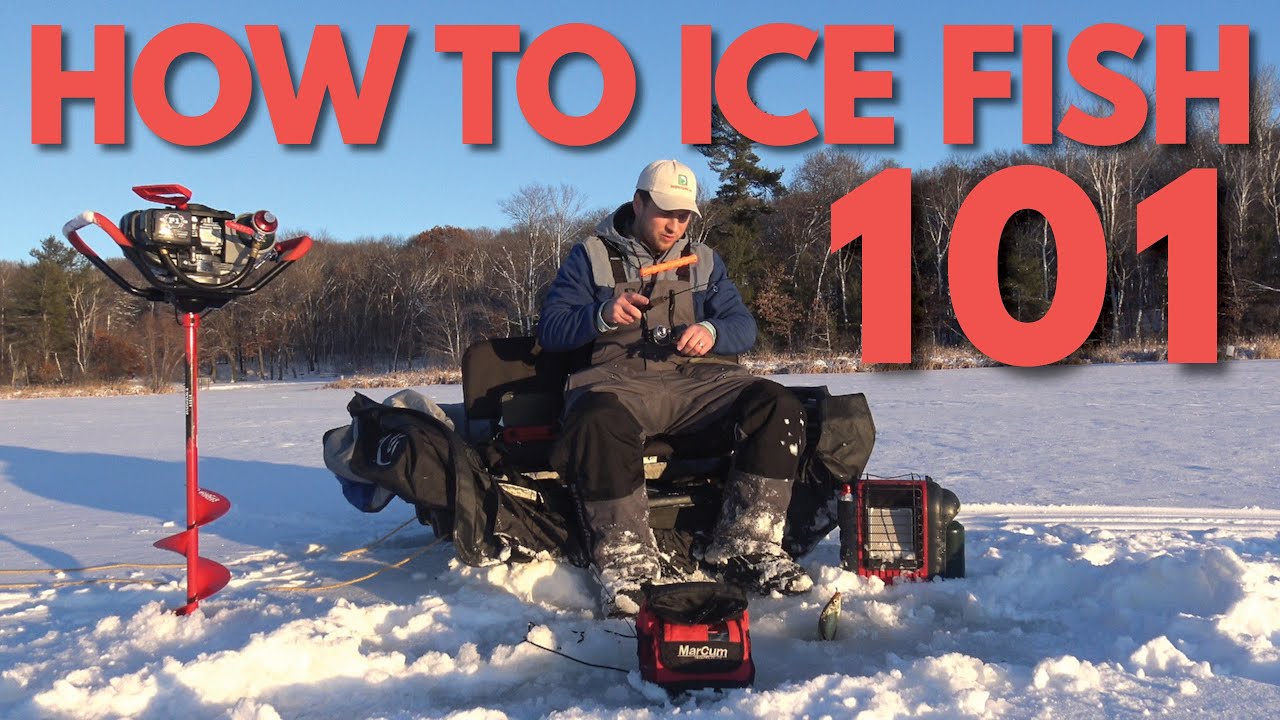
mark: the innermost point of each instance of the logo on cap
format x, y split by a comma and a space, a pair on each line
683, 179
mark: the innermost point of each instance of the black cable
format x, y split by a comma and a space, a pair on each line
570, 657
659, 300
634, 634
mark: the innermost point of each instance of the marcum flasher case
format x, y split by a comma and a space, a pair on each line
695, 635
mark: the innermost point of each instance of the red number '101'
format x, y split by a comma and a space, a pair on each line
879, 211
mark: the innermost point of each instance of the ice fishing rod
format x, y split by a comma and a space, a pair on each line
195, 258
663, 334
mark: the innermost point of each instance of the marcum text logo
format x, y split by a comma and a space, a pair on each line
702, 652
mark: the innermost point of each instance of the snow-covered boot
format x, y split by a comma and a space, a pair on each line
624, 553
746, 548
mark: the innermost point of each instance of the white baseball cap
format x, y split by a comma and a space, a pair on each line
671, 184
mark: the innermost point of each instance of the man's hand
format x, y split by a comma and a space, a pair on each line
625, 309
695, 342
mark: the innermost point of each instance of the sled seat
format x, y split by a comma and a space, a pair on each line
513, 395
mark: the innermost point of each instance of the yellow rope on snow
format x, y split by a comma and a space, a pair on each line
132, 581
359, 550
89, 581
91, 568
332, 586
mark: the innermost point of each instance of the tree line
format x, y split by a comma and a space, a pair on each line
394, 303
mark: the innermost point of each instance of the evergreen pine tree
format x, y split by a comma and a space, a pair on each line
746, 188
744, 182
42, 310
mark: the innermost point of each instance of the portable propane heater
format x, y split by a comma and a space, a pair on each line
195, 258
902, 527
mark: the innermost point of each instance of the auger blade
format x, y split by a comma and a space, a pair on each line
204, 576
209, 506
176, 543
210, 577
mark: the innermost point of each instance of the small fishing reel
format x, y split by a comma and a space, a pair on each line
661, 334
658, 335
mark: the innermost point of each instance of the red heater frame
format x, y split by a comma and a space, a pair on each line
901, 528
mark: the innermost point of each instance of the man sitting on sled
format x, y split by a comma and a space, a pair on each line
663, 364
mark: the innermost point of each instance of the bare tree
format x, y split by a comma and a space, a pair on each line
524, 260
160, 344
711, 216
946, 188
454, 311
551, 213
1115, 178
822, 178
1265, 146
86, 289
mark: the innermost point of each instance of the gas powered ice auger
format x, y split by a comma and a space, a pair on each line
195, 258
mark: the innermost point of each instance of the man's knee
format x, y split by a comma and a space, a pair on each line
600, 448
600, 414
766, 402
770, 423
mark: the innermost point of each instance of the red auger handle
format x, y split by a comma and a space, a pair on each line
73, 226
172, 194
72, 230
294, 249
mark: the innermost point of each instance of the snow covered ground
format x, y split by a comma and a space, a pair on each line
1123, 557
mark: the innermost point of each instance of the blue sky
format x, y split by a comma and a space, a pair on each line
421, 174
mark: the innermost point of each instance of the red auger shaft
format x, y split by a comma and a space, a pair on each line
204, 576
191, 324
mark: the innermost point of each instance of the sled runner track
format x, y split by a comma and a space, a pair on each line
1104, 517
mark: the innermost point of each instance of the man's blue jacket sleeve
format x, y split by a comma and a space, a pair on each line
568, 318
721, 303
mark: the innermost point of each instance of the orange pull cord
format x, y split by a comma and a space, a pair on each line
669, 265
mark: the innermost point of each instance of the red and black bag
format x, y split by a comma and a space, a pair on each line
695, 635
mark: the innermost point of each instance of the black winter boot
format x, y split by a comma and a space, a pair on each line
624, 553
746, 549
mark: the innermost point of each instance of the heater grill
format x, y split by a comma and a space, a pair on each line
893, 534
